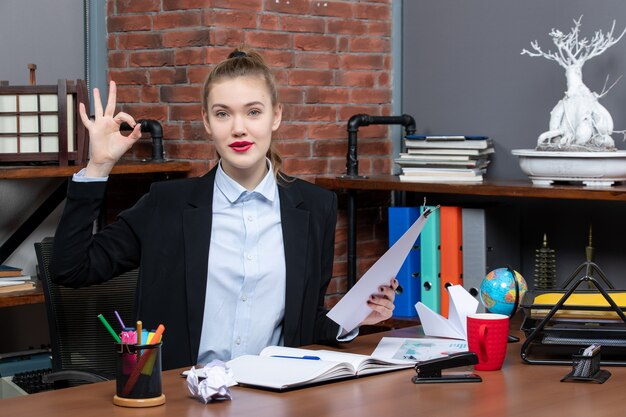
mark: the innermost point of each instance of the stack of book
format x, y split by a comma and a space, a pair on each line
445, 158
11, 279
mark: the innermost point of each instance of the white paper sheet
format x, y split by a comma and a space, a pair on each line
462, 303
416, 349
352, 309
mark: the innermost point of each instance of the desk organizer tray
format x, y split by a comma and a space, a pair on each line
558, 323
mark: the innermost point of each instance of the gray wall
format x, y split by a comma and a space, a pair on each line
463, 72
48, 33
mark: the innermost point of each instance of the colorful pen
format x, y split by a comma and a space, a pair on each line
119, 319
109, 328
139, 332
132, 380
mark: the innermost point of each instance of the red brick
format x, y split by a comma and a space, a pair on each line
344, 44
185, 4
376, 147
288, 130
345, 113
117, 59
278, 59
267, 22
186, 112
256, 5
146, 111
194, 131
171, 131
139, 40
327, 95
290, 95
347, 27
330, 148
370, 95
310, 77
372, 11
189, 56
159, 58
137, 76
128, 23
314, 42
111, 42
313, 60
373, 131
175, 20
379, 28
361, 62
309, 113
137, 6
370, 44
190, 150
331, 8
299, 7
181, 39
273, 40
356, 78
302, 24
299, 166
294, 149
328, 131
217, 54
229, 19
181, 93
128, 94
227, 37
384, 79
197, 75
168, 76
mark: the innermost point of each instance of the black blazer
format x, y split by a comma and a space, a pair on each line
167, 234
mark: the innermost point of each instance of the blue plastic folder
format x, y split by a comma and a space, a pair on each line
430, 260
400, 219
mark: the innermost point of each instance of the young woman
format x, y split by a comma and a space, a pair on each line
230, 262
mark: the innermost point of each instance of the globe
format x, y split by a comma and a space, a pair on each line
497, 290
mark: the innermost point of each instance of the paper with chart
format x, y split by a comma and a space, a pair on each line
462, 303
352, 309
417, 349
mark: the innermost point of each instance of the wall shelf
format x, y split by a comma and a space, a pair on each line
493, 188
23, 172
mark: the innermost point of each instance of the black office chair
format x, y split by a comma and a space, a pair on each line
82, 349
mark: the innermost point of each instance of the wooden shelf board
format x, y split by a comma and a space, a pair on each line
18, 298
21, 172
496, 188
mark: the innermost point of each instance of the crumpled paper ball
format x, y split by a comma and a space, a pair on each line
211, 383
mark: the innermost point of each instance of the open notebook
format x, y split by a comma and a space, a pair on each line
279, 367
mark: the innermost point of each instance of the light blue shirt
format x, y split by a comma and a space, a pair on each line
245, 293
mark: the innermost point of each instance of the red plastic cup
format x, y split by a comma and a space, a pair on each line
487, 337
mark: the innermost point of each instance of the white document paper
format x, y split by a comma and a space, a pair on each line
462, 303
352, 309
417, 349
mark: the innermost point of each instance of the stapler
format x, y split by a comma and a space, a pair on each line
429, 372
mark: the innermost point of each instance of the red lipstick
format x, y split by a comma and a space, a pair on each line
240, 146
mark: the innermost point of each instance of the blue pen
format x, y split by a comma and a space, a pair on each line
312, 358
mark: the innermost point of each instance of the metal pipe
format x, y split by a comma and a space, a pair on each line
352, 171
156, 132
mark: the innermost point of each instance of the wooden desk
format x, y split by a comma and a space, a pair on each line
519, 390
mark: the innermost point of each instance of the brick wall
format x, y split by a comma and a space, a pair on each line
332, 59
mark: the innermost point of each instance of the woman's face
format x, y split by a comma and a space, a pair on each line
240, 120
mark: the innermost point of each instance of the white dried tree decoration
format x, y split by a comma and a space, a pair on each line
578, 122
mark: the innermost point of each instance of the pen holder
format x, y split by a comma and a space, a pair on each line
138, 376
587, 368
